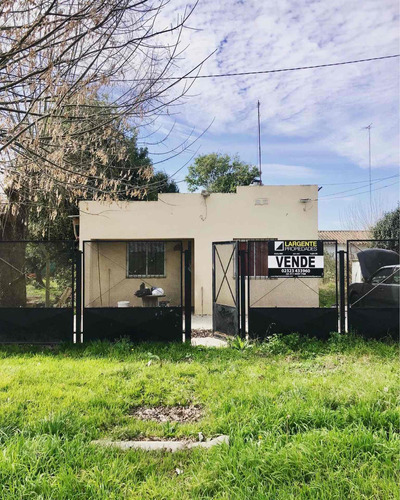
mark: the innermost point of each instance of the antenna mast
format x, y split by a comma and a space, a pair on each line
369, 163
259, 141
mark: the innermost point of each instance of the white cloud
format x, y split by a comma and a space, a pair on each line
287, 171
328, 106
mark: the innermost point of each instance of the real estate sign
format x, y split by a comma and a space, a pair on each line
296, 259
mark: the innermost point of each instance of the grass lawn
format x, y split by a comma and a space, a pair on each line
327, 294
306, 419
37, 294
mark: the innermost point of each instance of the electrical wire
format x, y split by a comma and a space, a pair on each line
264, 72
355, 194
354, 182
360, 187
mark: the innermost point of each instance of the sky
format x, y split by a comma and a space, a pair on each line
312, 121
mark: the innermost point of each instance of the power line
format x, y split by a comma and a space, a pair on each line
360, 187
354, 182
261, 72
356, 194
171, 178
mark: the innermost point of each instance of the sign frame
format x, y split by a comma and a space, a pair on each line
296, 259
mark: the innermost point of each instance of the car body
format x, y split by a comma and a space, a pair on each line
380, 289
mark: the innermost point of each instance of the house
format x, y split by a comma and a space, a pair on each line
139, 241
342, 237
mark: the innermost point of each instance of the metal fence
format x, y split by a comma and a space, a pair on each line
281, 301
364, 281
37, 291
133, 289
373, 287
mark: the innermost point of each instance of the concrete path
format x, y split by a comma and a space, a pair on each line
163, 445
209, 342
201, 322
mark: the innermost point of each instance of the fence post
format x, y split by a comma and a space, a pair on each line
213, 288
242, 257
342, 295
78, 311
188, 293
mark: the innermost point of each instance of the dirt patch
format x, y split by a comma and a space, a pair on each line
200, 333
191, 413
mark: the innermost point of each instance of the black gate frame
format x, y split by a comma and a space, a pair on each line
138, 324
314, 321
371, 322
226, 319
41, 325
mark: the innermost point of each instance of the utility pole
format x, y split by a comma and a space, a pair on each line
259, 140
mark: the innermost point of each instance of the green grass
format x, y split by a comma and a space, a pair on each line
306, 420
327, 294
37, 294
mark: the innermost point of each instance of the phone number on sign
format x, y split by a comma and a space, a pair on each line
291, 270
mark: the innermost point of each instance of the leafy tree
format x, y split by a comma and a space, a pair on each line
160, 183
389, 228
46, 215
220, 173
44, 221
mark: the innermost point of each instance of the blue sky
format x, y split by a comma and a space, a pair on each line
312, 121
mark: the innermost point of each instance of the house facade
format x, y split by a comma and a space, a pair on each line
128, 243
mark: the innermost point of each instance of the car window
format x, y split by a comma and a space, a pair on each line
395, 279
381, 275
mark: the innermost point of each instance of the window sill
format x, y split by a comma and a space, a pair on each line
142, 276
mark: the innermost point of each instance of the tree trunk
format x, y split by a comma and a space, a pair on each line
12, 258
39, 277
47, 280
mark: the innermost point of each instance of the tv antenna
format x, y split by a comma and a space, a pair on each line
259, 141
369, 164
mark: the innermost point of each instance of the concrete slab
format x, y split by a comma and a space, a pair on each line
201, 322
209, 342
171, 446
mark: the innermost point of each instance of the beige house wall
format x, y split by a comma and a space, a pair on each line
284, 212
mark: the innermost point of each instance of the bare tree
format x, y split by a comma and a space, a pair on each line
75, 75
363, 215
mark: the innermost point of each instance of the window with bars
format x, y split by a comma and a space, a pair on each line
146, 259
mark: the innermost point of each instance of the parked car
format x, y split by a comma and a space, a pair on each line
381, 289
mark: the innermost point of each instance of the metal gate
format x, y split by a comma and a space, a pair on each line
37, 291
272, 304
306, 305
225, 287
119, 282
373, 288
